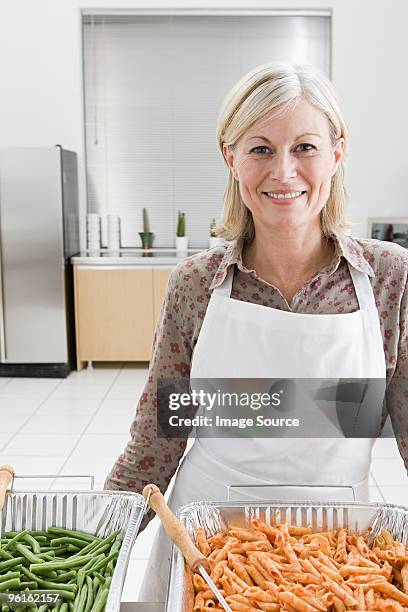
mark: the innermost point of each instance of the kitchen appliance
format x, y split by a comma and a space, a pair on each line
39, 233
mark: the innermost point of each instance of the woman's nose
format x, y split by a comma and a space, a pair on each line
283, 166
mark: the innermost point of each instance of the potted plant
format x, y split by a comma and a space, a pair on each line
181, 238
214, 239
146, 236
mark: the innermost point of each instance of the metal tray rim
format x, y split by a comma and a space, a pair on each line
285, 504
130, 532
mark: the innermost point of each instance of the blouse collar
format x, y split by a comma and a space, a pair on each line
345, 246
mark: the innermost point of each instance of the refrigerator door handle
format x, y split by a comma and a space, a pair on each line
3, 355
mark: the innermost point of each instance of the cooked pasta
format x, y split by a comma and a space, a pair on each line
290, 568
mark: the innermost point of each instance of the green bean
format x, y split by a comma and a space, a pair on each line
65, 576
29, 575
27, 554
41, 539
80, 578
109, 569
100, 601
90, 597
28, 538
39, 534
105, 544
51, 586
46, 564
115, 546
73, 534
68, 595
9, 576
95, 586
5, 565
29, 585
93, 560
47, 583
102, 563
51, 575
100, 548
14, 583
5, 555
48, 556
61, 550
43, 608
100, 578
81, 601
18, 536
68, 540
42, 568
91, 547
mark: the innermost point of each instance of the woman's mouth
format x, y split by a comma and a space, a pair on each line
284, 197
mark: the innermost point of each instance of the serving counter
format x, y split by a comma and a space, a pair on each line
135, 606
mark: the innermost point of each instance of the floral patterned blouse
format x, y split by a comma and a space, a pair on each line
147, 458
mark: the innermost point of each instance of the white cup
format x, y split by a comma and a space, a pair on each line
113, 231
93, 231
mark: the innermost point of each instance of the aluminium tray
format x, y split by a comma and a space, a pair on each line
216, 516
96, 512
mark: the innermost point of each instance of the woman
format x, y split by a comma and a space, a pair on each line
289, 296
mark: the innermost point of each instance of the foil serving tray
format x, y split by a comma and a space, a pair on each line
96, 512
216, 516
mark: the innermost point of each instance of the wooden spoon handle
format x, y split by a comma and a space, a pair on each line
6, 476
174, 529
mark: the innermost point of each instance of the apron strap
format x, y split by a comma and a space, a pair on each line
226, 286
363, 289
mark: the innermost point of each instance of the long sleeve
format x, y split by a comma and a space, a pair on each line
397, 394
146, 457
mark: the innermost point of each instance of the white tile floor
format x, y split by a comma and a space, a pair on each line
79, 425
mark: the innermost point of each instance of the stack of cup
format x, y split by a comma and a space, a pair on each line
94, 232
113, 231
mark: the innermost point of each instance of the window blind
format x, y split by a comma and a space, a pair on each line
153, 88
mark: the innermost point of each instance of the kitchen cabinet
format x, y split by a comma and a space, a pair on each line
116, 310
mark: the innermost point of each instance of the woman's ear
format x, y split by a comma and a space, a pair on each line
227, 151
338, 154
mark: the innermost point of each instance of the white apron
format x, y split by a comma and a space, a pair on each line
243, 340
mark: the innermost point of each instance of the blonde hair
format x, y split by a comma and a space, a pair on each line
277, 87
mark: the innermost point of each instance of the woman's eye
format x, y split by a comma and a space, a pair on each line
304, 149
261, 149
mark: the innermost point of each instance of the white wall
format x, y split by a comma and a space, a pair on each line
41, 85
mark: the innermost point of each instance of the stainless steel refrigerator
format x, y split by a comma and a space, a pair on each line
39, 232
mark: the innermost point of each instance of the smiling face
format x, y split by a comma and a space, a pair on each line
284, 167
